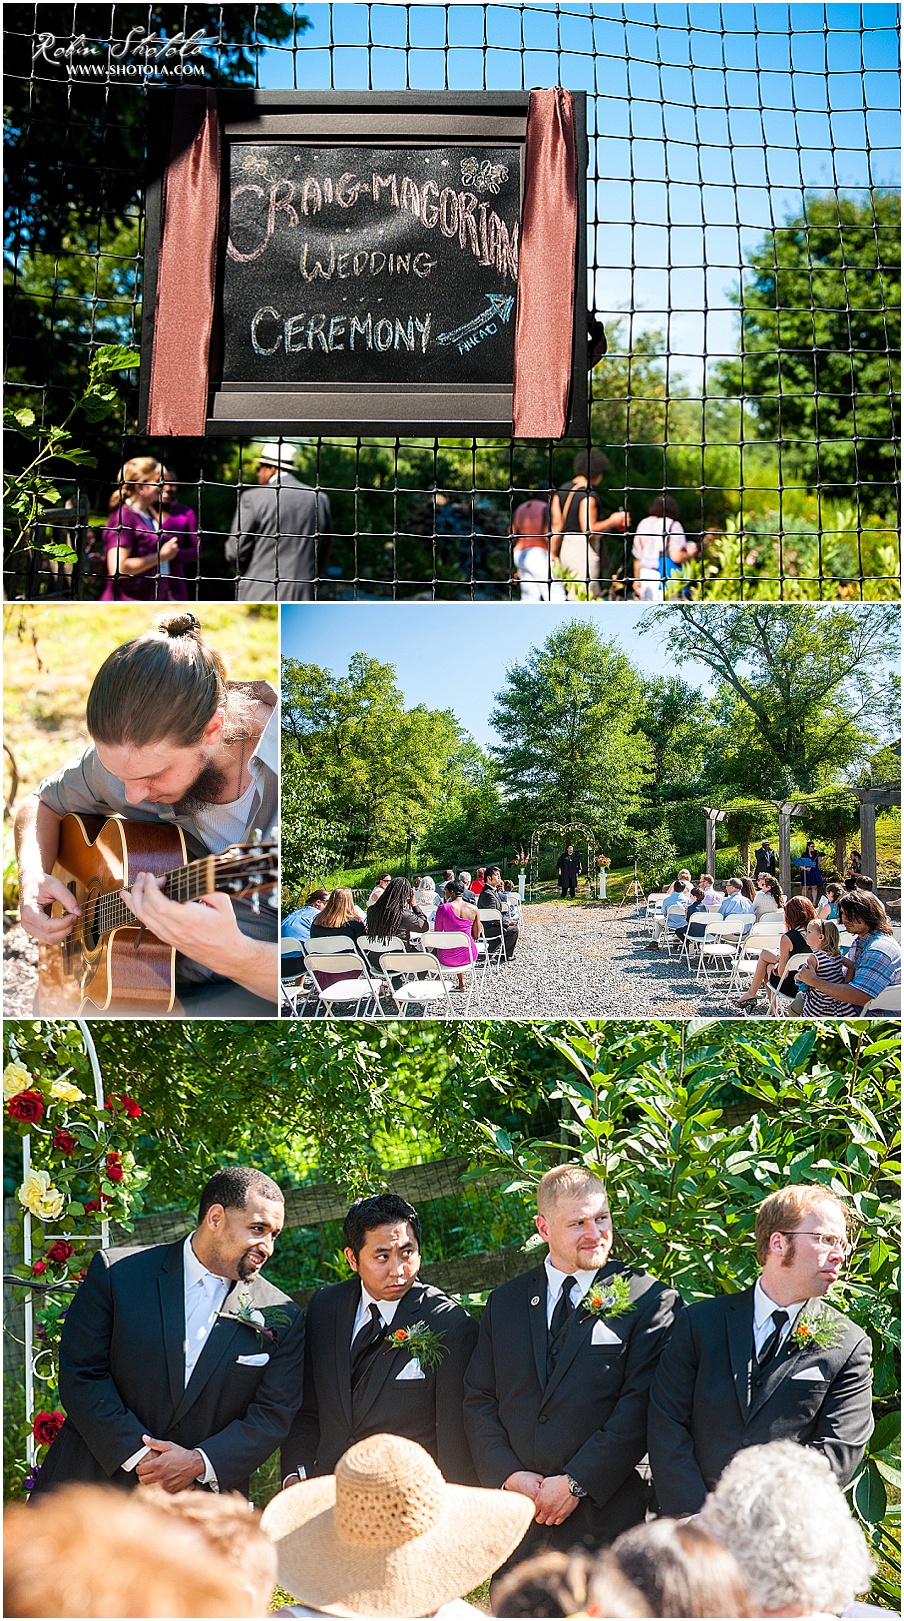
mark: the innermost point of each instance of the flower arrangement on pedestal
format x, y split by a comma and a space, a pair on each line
80, 1172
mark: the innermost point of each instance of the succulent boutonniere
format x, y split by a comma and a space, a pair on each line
814, 1332
265, 1320
609, 1299
424, 1345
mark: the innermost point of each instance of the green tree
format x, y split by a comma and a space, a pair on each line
567, 719
800, 693
820, 338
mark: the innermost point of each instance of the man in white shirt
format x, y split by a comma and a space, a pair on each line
179, 1364
712, 897
773, 1363
362, 1376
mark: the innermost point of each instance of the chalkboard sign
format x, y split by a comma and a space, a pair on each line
368, 263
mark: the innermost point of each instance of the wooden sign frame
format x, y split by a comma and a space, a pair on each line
378, 119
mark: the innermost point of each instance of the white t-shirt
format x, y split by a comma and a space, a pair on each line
650, 537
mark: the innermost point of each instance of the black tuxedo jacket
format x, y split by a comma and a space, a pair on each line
590, 1419
122, 1374
425, 1410
706, 1402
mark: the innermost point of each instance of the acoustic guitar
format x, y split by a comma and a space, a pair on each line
110, 963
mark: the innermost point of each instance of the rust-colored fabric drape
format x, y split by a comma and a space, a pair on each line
544, 320
186, 270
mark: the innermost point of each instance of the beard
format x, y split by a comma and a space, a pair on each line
205, 790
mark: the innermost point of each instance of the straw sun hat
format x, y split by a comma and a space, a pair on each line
386, 1536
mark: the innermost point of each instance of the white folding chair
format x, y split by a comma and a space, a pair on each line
706, 925
416, 979
291, 983
329, 945
675, 919
351, 990
888, 1001
723, 945
654, 904
492, 937
749, 955
778, 1004
437, 940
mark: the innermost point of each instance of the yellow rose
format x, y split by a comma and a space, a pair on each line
40, 1197
15, 1079
65, 1092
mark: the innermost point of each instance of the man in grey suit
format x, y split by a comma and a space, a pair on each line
773, 1363
281, 533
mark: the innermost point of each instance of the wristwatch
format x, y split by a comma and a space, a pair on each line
574, 1488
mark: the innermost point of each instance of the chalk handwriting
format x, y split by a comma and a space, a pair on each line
272, 332
342, 265
482, 326
486, 176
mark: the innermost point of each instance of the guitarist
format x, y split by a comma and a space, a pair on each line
173, 741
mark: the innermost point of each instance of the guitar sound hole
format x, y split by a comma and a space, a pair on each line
89, 927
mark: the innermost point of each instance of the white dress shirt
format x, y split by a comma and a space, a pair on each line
387, 1310
763, 1325
204, 1295
555, 1280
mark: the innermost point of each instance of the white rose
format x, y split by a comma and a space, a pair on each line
15, 1079
40, 1197
65, 1092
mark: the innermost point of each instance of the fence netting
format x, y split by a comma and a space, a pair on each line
743, 256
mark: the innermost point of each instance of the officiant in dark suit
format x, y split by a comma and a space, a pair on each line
557, 1389
384, 1353
179, 1364
773, 1363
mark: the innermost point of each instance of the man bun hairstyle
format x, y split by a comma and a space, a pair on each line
167, 683
377, 1210
230, 1187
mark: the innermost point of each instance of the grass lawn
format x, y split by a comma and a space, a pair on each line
52, 653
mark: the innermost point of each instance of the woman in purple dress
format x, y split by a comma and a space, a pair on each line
179, 522
139, 558
457, 916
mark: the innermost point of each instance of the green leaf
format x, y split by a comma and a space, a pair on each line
75, 1208
870, 1495
113, 357
887, 1434
59, 551
23, 418
82, 458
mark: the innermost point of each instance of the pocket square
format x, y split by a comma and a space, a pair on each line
603, 1335
412, 1370
810, 1373
258, 1361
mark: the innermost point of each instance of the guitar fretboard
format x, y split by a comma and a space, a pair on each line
108, 912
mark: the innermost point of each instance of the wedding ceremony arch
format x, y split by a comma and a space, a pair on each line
586, 837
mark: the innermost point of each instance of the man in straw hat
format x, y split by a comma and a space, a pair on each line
281, 532
383, 1352
385, 1535
557, 1392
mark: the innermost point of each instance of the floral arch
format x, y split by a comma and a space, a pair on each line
585, 836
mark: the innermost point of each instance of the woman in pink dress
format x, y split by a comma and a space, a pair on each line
456, 916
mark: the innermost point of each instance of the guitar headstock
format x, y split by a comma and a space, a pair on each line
246, 869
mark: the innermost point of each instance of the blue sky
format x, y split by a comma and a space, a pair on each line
454, 655
707, 122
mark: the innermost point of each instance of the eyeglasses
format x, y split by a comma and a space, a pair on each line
823, 1241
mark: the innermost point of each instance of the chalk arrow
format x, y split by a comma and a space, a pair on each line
500, 309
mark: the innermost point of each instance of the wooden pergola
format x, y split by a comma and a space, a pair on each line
870, 799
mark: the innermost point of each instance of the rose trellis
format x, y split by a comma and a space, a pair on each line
79, 1174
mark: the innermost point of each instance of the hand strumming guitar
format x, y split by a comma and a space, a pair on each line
206, 931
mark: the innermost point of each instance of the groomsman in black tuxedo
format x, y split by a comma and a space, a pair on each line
362, 1376
558, 1387
773, 1363
179, 1364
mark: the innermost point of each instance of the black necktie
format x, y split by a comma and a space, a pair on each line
771, 1344
559, 1322
365, 1345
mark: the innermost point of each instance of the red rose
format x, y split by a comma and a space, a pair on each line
27, 1107
94, 1205
129, 1106
47, 1427
39, 1267
60, 1252
114, 1168
64, 1141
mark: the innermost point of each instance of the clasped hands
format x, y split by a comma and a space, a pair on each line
551, 1495
173, 1467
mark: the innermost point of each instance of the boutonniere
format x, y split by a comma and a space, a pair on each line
425, 1346
609, 1299
814, 1332
265, 1321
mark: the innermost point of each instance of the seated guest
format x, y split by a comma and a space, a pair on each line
685, 878
385, 1534
827, 963
426, 897
470, 894
681, 1570
552, 1583
873, 962
773, 964
695, 917
448, 877
338, 917
735, 900
96, 1551
490, 899
853, 866
748, 890
711, 894
455, 915
676, 896
297, 926
479, 881
828, 903
395, 916
378, 888
512, 900
808, 1560
768, 897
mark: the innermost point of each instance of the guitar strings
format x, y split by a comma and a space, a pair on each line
106, 912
